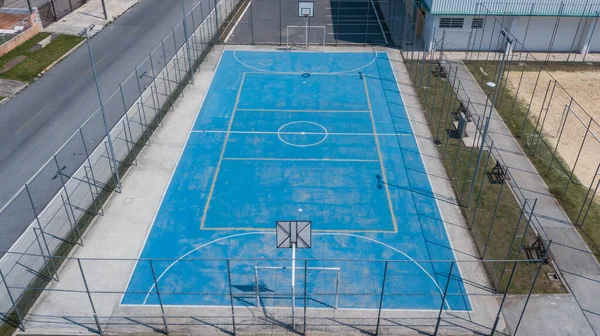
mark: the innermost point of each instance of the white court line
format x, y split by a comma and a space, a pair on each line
301, 111
294, 159
151, 289
238, 21
302, 133
312, 73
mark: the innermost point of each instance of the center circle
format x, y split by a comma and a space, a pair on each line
302, 133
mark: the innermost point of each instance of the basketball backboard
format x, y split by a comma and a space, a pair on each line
290, 232
305, 8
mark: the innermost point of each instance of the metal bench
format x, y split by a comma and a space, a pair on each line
498, 174
537, 250
440, 71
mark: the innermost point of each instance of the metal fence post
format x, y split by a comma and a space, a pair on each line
157, 107
231, 295
87, 290
170, 91
162, 308
487, 161
487, 240
176, 56
39, 224
512, 241
381, 298
113, 157
560, 133
187, 43
591, 199
537, 274
537, 123
487, 125
514, 103
133, 142
12, 302
64, 187
305, 293
587, 131
216, 20
530, 102
143, 111
504, 298
89, 161
439, 318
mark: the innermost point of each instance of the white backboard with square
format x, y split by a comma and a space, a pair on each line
290, 232
305, 8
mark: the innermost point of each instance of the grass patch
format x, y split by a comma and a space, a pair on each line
37, 61
540, 151
497, 222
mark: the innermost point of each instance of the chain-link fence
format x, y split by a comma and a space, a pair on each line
557, 130
48, 215
254, 295
343, 22
503, 222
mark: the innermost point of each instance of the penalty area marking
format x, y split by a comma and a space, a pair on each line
316, 234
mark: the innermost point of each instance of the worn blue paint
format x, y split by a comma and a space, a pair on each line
300, 147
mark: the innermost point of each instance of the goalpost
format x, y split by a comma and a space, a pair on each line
257, 279
296, 35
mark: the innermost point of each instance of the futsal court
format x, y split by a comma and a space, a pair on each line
315, 136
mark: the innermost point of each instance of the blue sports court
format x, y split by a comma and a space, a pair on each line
318, 136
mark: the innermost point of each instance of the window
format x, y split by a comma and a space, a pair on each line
451, 22
477, 23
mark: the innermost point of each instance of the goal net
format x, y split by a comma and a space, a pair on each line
305, 36
319, 286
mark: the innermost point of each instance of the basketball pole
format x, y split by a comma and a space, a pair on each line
294, 285
306, 32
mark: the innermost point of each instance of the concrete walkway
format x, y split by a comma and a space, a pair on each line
91, 13
579, 268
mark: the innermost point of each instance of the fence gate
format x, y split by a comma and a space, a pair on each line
46, 14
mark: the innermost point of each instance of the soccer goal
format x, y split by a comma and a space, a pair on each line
305, 36
320, 285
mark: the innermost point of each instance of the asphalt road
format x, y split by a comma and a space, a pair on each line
35, 123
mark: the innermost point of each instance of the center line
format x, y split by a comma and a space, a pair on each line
32, 118
302, 133
96, 63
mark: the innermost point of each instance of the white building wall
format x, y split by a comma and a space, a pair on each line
592, 35
466, 38
570, 36
538, 36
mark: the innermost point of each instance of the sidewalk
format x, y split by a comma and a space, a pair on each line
579, 268
91, 13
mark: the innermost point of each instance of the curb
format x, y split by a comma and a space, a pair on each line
60, 59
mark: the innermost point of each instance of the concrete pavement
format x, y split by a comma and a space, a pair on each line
36, 122
91, 13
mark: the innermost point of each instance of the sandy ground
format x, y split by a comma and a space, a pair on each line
548, 110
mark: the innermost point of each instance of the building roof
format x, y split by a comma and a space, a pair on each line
539, 8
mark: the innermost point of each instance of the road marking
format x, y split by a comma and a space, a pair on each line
35, 116
164, 4
136, 28
96, 63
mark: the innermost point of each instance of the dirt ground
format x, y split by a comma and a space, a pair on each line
548, 110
